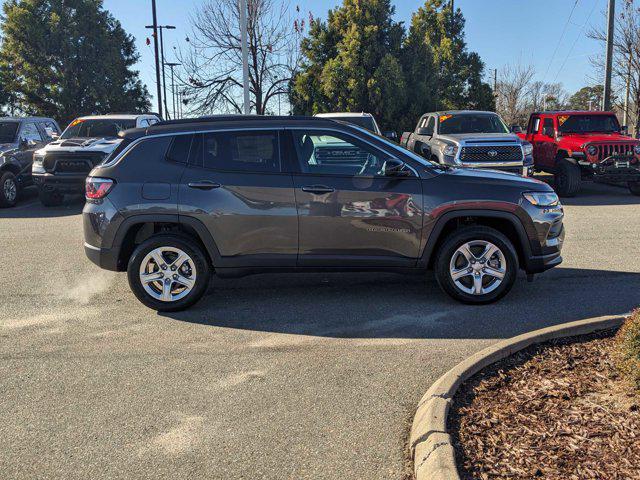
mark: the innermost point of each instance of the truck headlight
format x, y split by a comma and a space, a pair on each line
450, 150
592, 150
527, 149
542, 199
38, 160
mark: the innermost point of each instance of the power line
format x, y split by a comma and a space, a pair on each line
576, 40
564, 30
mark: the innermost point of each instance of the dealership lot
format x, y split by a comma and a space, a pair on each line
283, 376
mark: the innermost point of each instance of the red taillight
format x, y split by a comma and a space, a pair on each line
96, 187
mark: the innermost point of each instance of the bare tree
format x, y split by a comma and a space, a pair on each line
626, 62
212, 63
512, 93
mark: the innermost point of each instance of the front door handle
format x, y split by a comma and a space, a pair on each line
204, 185
318, 189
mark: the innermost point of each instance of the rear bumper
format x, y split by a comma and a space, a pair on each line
106, 258
60, 183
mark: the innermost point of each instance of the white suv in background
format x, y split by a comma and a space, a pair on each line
62, 166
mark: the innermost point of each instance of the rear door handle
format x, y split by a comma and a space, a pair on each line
318, 189
204, 185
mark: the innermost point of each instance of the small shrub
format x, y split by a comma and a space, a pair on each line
627, 348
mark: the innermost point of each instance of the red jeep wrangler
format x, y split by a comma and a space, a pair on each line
577, 146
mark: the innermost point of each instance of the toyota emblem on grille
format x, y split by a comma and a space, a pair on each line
492, 153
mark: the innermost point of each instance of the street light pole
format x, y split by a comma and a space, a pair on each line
606, 104
155, 46
173, 86
164, 81
245, 55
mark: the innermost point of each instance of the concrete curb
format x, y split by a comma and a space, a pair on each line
431, 448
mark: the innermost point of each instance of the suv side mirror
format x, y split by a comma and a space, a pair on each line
425, 132
516, 129
391, 135
624, 130
548, 131
393, 167
25, 144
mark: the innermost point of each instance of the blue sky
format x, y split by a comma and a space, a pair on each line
501, 31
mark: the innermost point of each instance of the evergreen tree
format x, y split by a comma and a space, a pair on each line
352, 63
66, 58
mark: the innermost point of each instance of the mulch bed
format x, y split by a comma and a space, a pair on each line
558, 410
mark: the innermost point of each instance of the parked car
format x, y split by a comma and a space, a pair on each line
19, 138
240, 195
364, 120
62, 166
469, 139
583, 145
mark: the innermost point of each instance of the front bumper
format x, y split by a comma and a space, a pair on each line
546, 232
60, 183
614, 169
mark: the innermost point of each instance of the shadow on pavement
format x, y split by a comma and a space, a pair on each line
394, 306
594, 194
30, 207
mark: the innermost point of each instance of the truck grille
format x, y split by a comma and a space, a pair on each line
491, 153
622, 149
72, 162
340, 155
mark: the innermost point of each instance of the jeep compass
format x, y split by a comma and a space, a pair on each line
235, 195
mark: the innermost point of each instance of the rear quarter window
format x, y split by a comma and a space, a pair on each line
148, 151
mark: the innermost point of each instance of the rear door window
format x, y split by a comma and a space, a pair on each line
253, 151
180, 147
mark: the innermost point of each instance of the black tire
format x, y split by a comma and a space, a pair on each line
50, 198
634, 187
567, 178
457, 239
9, 189
191, 248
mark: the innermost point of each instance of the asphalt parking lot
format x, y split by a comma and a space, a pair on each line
278, 377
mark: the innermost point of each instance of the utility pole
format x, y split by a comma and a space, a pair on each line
495, 82
164, 81
245, 55
625, 119
173, 86
155, 46
606, 104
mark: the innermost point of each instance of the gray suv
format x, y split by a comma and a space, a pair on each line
234, 195
20, 137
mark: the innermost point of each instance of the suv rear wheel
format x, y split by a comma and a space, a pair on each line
8, 189
567, 178
476, 265
634, 187
168, 273
50, 198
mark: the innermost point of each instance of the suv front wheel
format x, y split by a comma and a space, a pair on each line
168, 273
476, 265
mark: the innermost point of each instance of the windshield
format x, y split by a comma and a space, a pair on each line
470, 123
8, 131
588, 123
414, 156
366, 122
102, 128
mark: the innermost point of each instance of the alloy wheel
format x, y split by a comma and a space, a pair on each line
10, 190
168, 274
478, 267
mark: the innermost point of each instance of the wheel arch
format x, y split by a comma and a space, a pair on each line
506, 223
135, 230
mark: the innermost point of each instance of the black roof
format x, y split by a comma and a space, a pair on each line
205, 123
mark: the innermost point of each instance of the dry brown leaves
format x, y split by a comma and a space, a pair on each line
556, 411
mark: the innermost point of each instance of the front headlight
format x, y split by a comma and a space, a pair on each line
527, 149
450, 150
542, 199
636, 149
37, 160
592, 150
